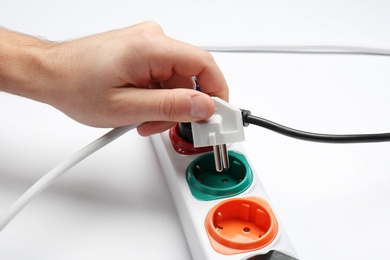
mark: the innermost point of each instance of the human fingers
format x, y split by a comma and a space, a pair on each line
156, 57
177, 105
189, 61
177, 81
135, 105
154, 127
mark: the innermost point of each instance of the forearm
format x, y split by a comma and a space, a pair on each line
23, 65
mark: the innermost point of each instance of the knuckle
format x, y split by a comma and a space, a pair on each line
151, 32
153, 25
168, 106
208, 57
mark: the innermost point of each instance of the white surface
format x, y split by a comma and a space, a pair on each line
334, 200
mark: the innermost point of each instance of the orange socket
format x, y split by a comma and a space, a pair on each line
240, 225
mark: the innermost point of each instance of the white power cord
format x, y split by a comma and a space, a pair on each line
308, 49
57, 171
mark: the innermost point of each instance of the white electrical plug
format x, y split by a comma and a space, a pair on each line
223, 127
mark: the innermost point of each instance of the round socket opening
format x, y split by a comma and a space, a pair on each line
206, 183
182, 145
241, 224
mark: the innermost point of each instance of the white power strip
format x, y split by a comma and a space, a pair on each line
252, 228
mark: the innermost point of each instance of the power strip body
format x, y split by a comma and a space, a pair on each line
192, 212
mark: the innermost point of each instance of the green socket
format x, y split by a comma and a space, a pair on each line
207, 184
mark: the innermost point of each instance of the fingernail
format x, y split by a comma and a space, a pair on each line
199, 107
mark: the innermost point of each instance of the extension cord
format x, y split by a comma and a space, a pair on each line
204, 239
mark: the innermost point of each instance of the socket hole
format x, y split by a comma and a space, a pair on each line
208, 184
199, 180
241, 224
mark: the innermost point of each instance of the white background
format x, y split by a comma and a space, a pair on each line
334, 200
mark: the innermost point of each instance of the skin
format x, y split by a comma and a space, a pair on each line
116, 78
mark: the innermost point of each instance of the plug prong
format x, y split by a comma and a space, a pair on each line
225, 156
218, 158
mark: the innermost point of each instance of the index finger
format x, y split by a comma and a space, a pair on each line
188, 61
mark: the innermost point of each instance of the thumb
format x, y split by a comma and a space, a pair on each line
173, 105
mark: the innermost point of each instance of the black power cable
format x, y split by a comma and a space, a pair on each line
248, 118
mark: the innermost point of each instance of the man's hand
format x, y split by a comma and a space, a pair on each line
131, 75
